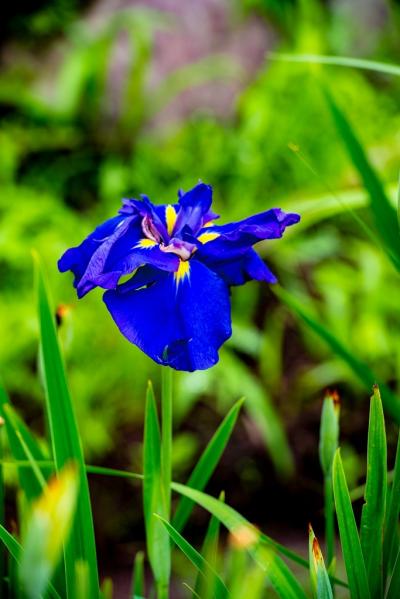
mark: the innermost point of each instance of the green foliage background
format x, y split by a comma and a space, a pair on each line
66, 161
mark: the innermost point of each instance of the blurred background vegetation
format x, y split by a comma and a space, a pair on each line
103, 100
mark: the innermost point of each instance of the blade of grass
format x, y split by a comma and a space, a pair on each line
49, 465
373, 512
209, 551
318, 573
363, 372
339, 61
221, 592
207, 464
328, 443
66, 443
351, 546
157, 538
23, 444
2, 517
358, 492
393, 591
234, 521
278, 573
138, 576
235, 375
391, 535
384, 214
14, 427
15, 550
46, 531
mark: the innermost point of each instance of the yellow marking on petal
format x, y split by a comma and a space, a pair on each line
170, 217
146, 244
209, 224
182, 272
206, 237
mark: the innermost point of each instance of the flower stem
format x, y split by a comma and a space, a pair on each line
166, 452
166, 435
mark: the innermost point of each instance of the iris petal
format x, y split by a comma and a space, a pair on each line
89, 257
111, 252
235, 239
194, 209
244, 268
178, 321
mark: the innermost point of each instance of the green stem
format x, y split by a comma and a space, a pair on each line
166, 436
329, 520
2, 516
166, 461
162, 591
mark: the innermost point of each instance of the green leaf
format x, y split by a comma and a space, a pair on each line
138, 576
207, 464
328, 444
282, 579
363, 372
65, 440
233, 375
393, 591
13, 547
157, 538
329, 431
351, 546
15, 550
47, 530
384, 215
373, 512
391, 544
221, 592
318, 573
339, 61
33, 475
209, 551
17, 434
238, 525
2, 516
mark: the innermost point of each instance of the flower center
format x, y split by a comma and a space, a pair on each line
181, 248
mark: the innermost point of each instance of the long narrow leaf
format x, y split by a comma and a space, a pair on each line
65, 441
351, 546
363, 372
2, 516
209, 551
278, 573
391, 544
339, 61
318, 573
235, 522
46, 531
138, 576
373, 512
207, 464
157, 538
14, 427
15, 550
393, 591
221, 592
385, 217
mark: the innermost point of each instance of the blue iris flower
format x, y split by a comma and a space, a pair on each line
176, 305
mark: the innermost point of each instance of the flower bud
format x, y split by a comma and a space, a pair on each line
329, 430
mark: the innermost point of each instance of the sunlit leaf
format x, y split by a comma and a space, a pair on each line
65, 440
47, 531
207, 464
351, 546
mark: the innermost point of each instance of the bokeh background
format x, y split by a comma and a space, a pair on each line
112, 98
